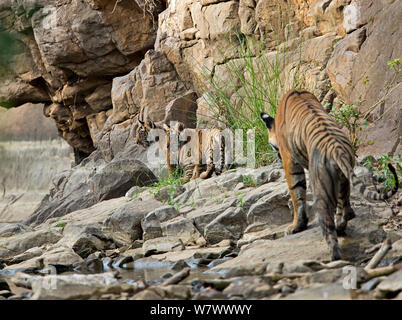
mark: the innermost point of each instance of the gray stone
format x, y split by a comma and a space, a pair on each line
390, 287
272, 208
161, 245
116, 178
151, 224
74, 286
9, 229
230, 224
84, 239
21, 242
127, 218
332, 291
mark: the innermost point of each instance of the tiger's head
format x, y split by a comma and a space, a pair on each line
143, 130
270, 124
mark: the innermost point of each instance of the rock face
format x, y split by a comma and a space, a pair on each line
68, 53
97, 77
359, 72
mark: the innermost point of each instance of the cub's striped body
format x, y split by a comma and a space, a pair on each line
199, 146
194, 165
306, 137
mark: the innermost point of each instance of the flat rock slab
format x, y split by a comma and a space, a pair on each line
327, 291
307, 245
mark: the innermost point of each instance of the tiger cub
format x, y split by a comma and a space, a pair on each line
186, 157
189, 158
305, 136
143, 128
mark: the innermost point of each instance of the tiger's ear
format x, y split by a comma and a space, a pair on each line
269, 121
150, 124
179, 127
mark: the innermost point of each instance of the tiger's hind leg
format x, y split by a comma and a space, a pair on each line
296, 180
325, 189
344, 211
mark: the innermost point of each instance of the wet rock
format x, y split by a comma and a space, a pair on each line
228, 225
5, 293
75, 286
371, 284
90, 265
332, 291
161, 245
19, 243
120, 262
3, 284
249, 288
179, 265
390, 287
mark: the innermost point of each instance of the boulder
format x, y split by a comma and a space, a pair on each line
128, 217
272, 208
73, 286
19, 243
162, 245
230, 224
151, 224
117, 177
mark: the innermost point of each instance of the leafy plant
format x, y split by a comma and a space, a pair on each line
249, 85
379, 167
350, 117
172, 182
248, 181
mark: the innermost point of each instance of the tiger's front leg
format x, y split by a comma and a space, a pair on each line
196, 172
296, 180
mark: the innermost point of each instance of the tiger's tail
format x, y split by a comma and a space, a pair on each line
347, 170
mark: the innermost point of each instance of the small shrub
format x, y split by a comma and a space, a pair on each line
379, 167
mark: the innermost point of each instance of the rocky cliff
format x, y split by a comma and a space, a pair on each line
99, 65
95, 67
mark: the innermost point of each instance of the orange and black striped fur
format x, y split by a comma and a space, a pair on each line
306, 137
199, 145
143, 128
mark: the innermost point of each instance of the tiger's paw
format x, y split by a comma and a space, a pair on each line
292, 229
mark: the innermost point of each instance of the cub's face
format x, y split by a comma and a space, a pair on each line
143, 131
269, 122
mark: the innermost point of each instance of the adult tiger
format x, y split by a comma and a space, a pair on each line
305, 136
